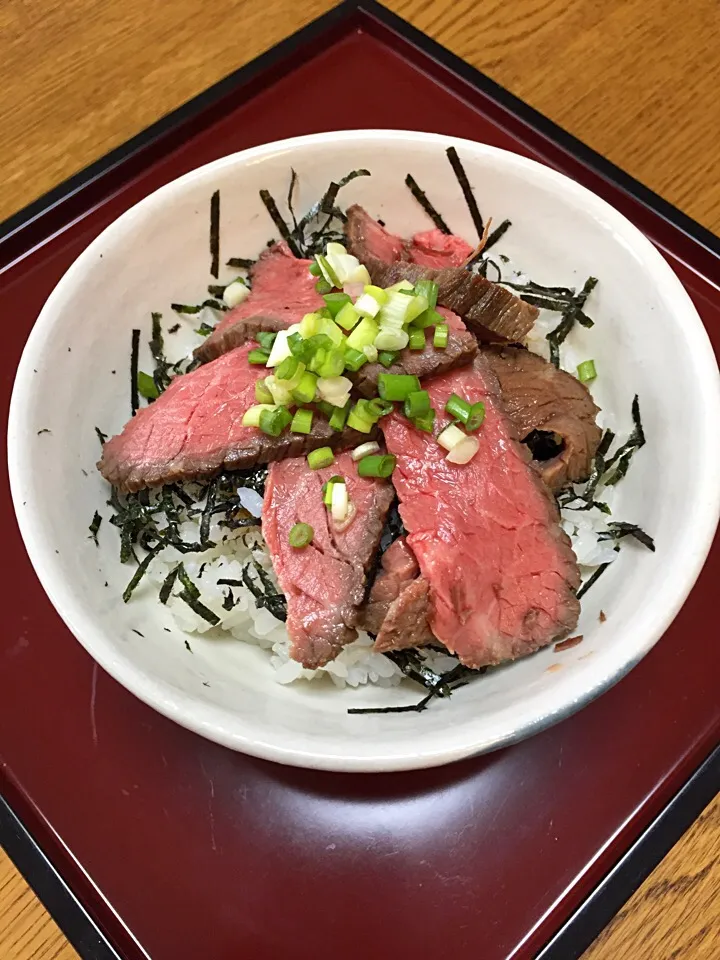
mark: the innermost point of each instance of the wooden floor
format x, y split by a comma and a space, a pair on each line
638, 80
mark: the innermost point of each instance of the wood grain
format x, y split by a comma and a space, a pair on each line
637, 80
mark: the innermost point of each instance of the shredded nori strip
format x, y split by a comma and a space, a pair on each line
282, 227
204, 330
188, 647
496, 234
161, 376
215, 234
167, 585
633, 442
102, 437
265, 593
570, 315
467, 190
44, 430
591, 580
291, 191
619, 530
228, 600
197, 307
326, 206
174, 328
441, 686
199, 608
241, 263
134, 351
422, 199
216, 289
141, 570
207, 513
95, 526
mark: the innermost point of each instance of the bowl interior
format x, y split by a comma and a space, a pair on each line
74, 376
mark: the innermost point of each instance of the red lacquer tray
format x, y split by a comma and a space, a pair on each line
145, 840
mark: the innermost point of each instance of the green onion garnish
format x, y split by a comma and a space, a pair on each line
378, 408
258, 357
322, 457
387, 357
266, 338
477, 415
354, 359
262, 394
287, 368
358, 420
323, 287
417, 339
314, 269
471, 415
301, 535
426, 421
338, 418
585, 371
273, 422
417, 404
397, 386
335, 301
328, 363
363, 335
429, 290
381, 465
304, 392
440, 338
302, 421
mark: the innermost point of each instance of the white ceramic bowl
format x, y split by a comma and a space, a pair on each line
647, 339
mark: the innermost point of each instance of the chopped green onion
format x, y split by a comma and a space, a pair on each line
262, 394
258, 357
287, 369
377, 293
301, 535
327, 489
464, 451
379, 408
335, 390
314, 269
367, 305
328, 409
371, 353
377, 466
339, 417
417, 404
440, 338
323, 287
451, 436
302, 421
364, 334
357, 420
330, 330
309, 325
273, 422
327, 272
354, 359
477, 415
335, 302
347, 317
428, 289
304, 392
322, 457
586, 371
280, 349
387, 357
392, 339
146, 386
364, 450
251, 418
266, 339
458, 408
397, 386
328, 363
417, 339
340, 502
426, 421
471, 415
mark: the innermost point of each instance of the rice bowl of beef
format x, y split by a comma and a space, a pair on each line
409, 574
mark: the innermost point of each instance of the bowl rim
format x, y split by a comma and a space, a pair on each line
568, 695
